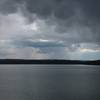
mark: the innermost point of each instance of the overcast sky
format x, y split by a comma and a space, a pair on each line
50, 29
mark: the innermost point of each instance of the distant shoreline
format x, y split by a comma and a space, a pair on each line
48, 61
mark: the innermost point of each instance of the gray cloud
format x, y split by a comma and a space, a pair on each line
8, 50
60, 8
39, 43
44, 50
70, 25
76, 18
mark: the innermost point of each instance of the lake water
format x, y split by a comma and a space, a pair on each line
49, 82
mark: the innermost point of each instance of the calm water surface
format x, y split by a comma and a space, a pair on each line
49, 82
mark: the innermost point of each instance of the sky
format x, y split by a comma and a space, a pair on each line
50, 29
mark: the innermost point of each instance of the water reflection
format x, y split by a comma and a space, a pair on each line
49, 82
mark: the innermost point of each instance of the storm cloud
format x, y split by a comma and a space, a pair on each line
78, 17
70, 25
60, 8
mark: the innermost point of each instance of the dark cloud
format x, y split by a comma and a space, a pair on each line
64, 9
76, 20
91, 8
68, 29
60, 8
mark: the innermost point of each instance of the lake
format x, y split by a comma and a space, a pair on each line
49, 82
